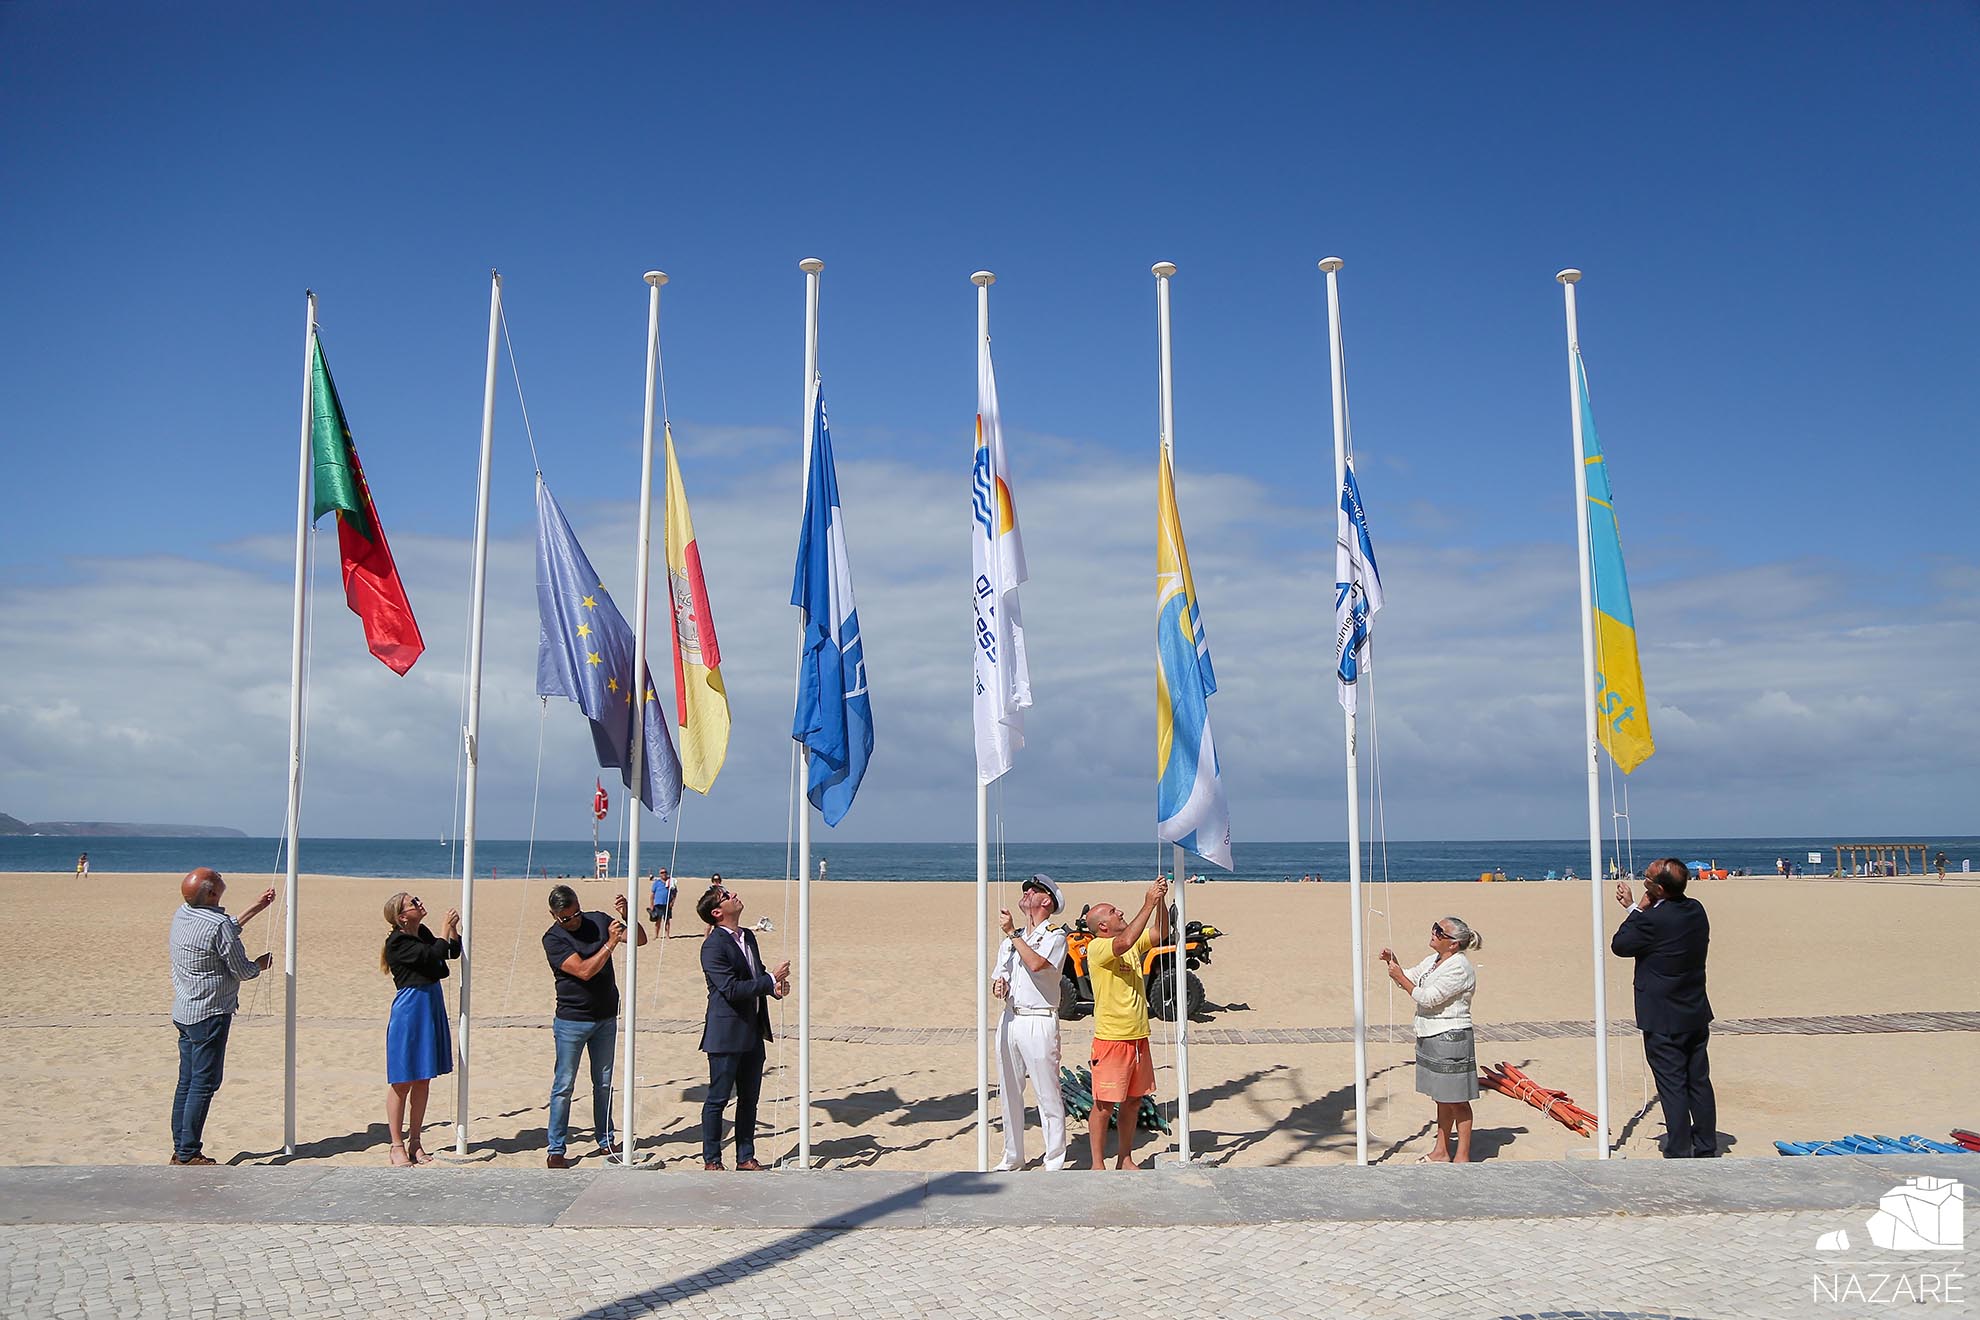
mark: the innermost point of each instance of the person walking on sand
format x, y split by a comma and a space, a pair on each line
662, 913
1029, 970
208, 966
82, 867
1123, 1069
579, 945
418, 1044
1668, 934
1939, 861
1446, 1053
736, 1025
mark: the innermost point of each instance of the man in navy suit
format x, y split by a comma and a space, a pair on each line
1667, 934
736, 1026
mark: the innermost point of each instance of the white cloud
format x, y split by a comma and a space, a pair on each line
1783, 700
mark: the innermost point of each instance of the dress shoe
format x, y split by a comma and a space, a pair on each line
713, 1166
556, 1161
748, 1166
612, 1149
191, 1160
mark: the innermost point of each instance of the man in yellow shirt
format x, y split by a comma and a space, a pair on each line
1123, 1069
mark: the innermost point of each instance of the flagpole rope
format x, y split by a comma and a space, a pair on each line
258, 996
787, 1098
1378, 827
529, 856
502, 314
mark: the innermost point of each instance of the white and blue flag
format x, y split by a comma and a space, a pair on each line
1357, 590
834, 718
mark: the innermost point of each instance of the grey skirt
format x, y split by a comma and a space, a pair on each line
1447, 1067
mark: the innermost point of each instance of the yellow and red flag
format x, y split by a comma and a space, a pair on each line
703, 702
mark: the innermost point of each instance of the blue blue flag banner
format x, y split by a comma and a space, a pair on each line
1357, 590
834, 718
585, 652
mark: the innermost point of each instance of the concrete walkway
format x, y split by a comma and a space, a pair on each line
1713, 1239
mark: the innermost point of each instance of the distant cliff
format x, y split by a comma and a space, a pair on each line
115, 829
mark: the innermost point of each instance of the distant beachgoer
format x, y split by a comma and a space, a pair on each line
418, 1045
579, 945
1027, 979
1123, 1069
1939, 861
208, 966
1668, 934
735, 1026
1446, 1050
82, 865
662, 898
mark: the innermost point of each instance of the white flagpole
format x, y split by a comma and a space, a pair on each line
1164, 271
471, 735
983, 279
1356, 953
627, 1070
812, 267
1569, 278
293, 820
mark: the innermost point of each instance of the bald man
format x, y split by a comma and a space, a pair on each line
208, 966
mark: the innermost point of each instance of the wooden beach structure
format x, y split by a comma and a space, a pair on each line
1880, 858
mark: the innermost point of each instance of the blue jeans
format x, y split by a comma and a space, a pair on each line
202, 1058
573, 1038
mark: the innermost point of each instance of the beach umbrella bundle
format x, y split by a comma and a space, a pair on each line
1507, 1079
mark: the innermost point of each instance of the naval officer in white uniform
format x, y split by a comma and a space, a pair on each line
1027, 980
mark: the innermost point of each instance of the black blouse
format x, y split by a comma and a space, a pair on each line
419, 959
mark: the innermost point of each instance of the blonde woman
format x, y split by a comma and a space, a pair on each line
1446, 1055
418, 1045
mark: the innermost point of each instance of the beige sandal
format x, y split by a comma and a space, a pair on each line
400, 1157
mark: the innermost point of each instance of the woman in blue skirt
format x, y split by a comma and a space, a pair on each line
418, 1046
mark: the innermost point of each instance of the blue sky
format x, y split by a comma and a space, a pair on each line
1773, 207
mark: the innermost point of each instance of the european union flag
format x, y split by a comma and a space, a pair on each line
834, 718
585, 652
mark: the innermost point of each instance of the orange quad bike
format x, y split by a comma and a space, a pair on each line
1159, 969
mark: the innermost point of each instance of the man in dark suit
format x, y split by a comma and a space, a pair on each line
736, 1026
1667, 933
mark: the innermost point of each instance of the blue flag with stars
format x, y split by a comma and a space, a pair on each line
585, 652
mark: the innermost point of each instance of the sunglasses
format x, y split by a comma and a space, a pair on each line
571, 915
1437, 930
411, 903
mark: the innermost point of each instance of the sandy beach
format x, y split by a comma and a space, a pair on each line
91, 1057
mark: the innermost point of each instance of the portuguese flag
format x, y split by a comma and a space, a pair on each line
371, 579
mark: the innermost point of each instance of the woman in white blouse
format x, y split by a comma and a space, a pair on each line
1446, 1056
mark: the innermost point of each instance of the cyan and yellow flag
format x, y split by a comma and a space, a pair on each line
1622, 712
1189, 793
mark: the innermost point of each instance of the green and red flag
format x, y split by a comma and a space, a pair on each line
371, 580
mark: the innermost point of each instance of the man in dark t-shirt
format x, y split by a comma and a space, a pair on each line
579, 946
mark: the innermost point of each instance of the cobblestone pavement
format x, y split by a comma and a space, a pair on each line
1832, 1025
1715, 1266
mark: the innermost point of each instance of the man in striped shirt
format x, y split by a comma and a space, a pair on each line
208, 966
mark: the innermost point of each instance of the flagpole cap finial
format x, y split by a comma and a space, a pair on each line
811, 265
655, 277
1331, 264
983, 279
1163, 269
1569, 276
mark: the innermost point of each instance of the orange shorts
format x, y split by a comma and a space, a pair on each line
1122, 1069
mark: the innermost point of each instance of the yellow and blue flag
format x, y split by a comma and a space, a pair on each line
1622, 712
1189, 793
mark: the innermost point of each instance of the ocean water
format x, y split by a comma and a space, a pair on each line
1406, 860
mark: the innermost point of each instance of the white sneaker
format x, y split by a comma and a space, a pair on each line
1005, 1166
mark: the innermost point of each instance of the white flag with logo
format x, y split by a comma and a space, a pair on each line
1357, 591
1002, 681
